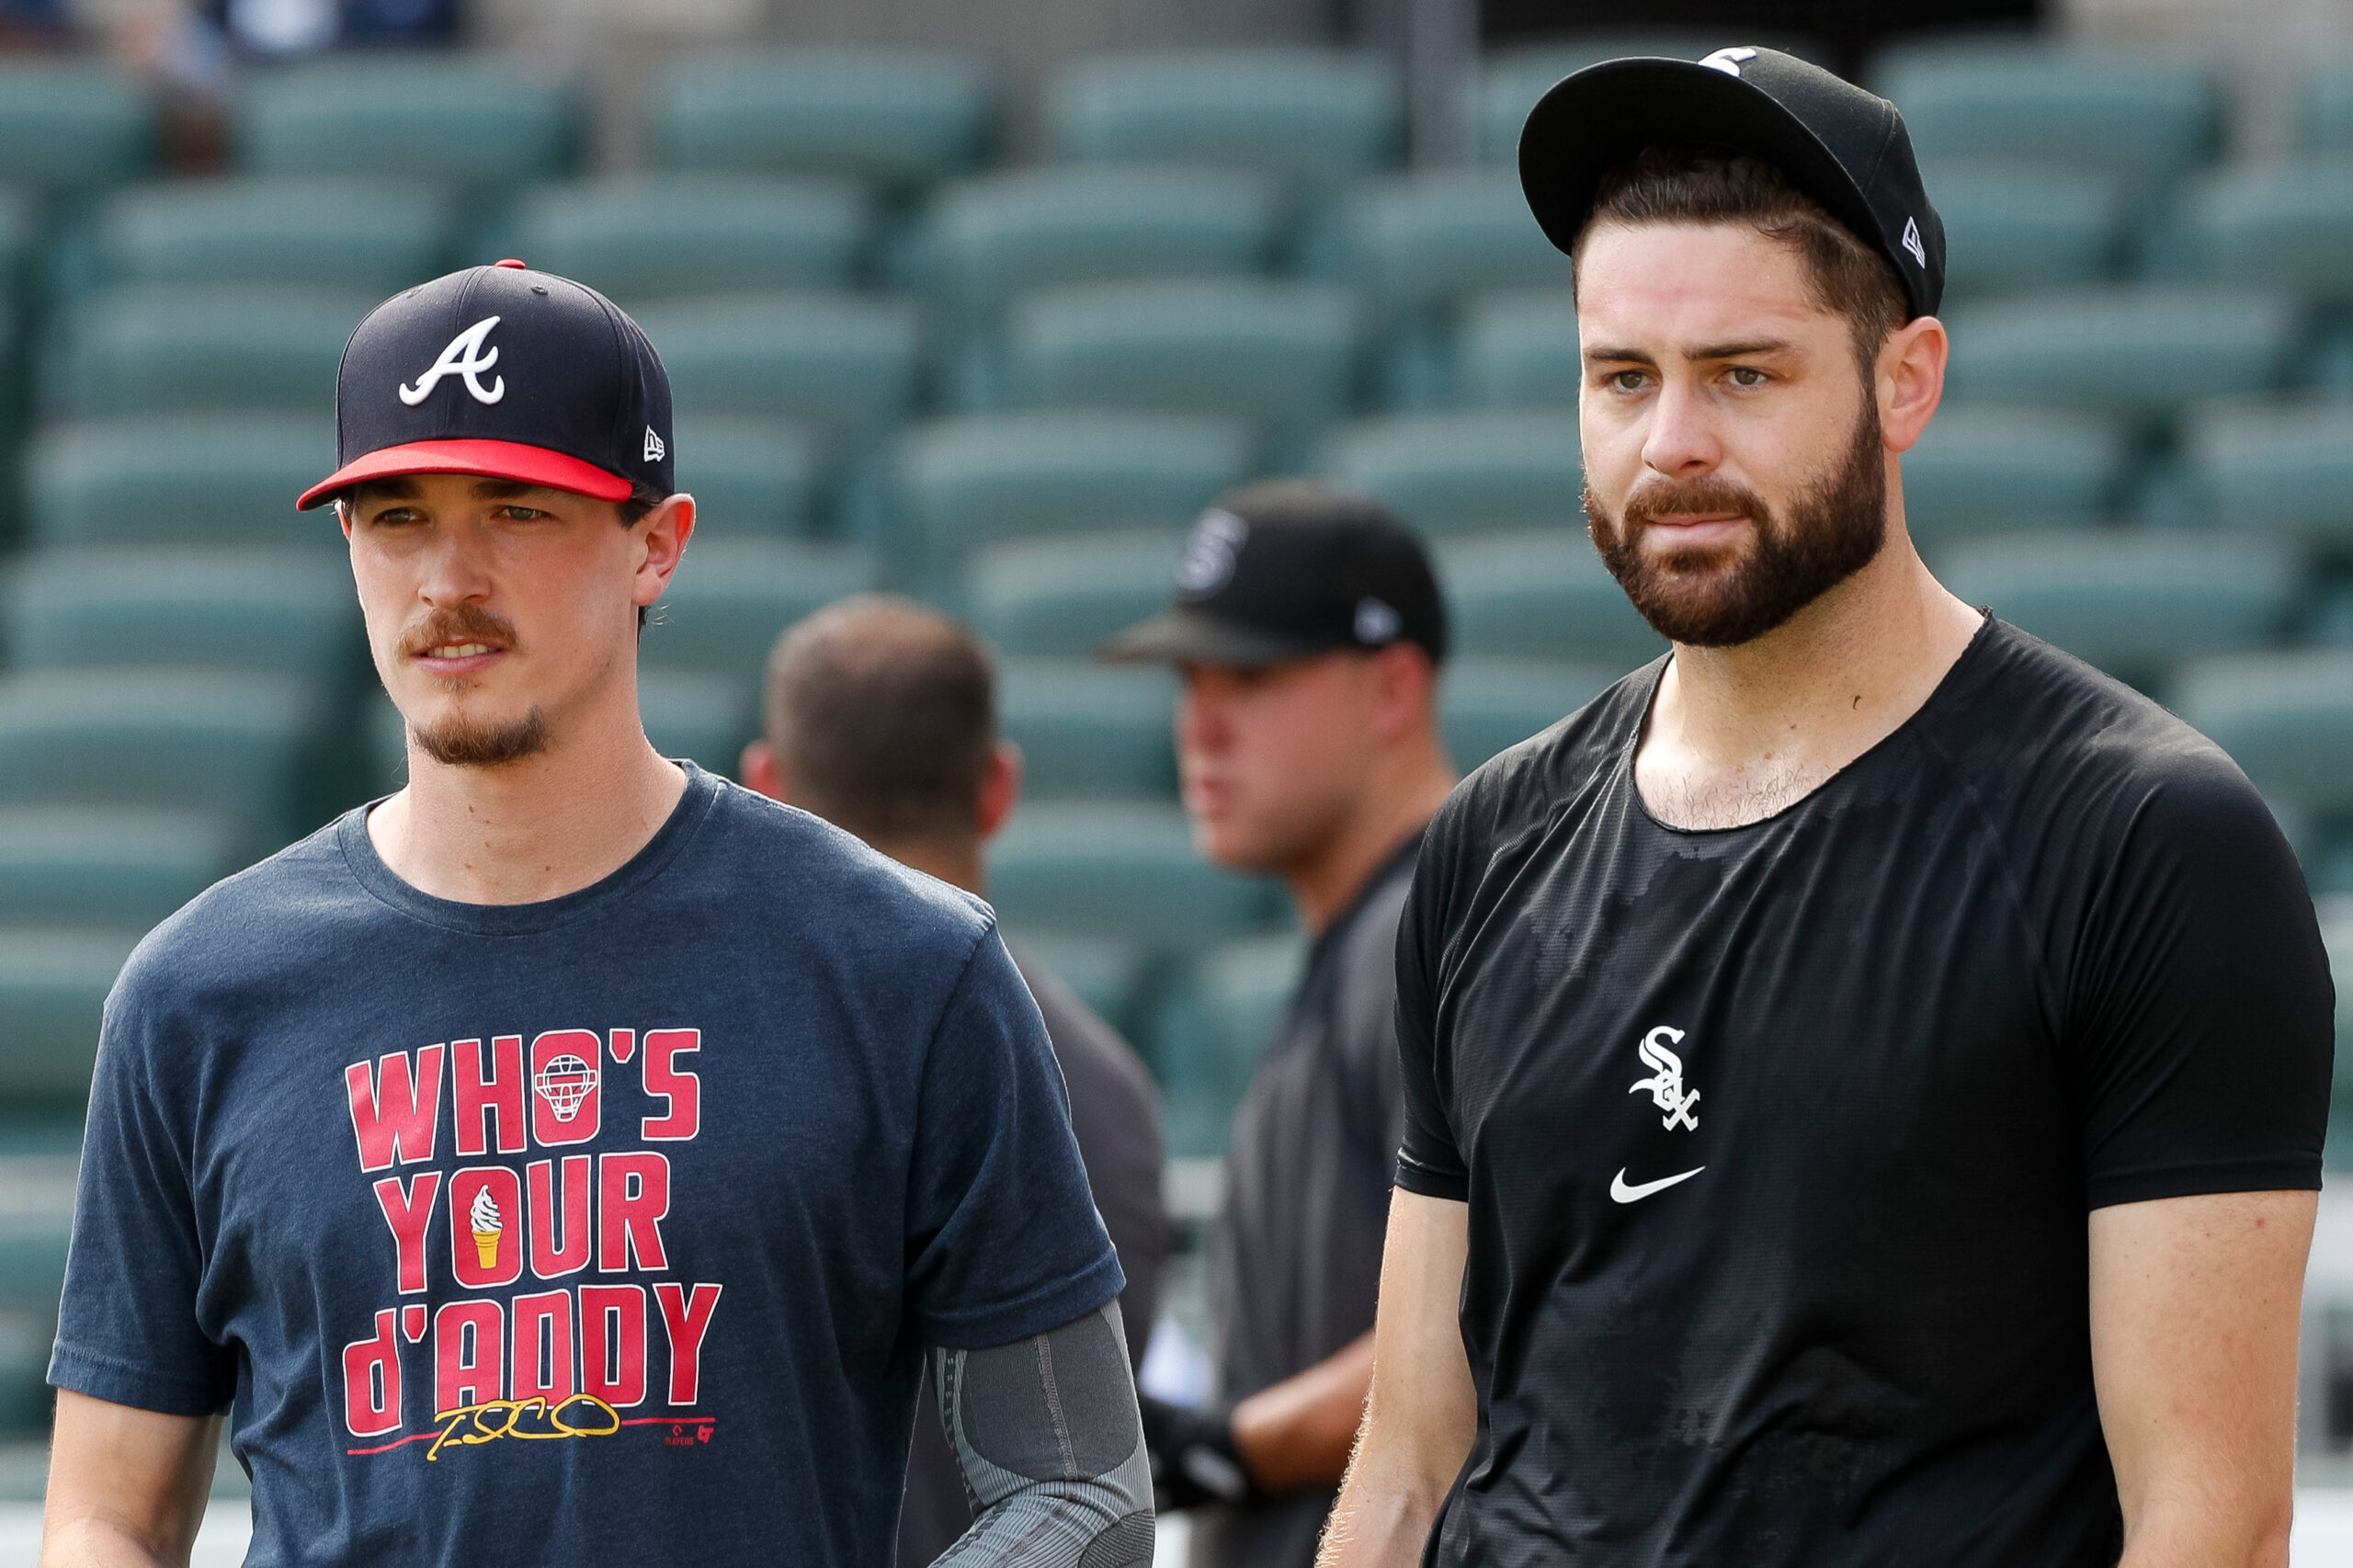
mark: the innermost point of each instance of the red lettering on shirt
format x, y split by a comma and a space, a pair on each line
686, 1318
477, 1097
632, 1198
485, 1226
558, 1246
371, 1380
409, 1211
612, 1343
395, 1110
468, 1342
680, 1091
542, 1358
567, 1087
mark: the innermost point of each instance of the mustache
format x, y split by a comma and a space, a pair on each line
459, 624
1682, 497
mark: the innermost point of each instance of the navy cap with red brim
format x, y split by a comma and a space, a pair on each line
488, 459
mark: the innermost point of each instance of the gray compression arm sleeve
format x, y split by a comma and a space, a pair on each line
1052, 1448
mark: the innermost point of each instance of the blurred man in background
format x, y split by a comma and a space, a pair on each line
1308, 631
880, 715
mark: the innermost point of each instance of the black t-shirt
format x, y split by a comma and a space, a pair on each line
1778, 1139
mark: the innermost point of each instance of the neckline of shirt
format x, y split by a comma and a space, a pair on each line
389, 888
1937, 696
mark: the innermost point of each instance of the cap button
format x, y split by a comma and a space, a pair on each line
509, 261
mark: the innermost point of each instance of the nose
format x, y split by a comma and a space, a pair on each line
457, 568
1681, 441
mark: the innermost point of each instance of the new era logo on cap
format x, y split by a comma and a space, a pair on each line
654, 450
1911, 240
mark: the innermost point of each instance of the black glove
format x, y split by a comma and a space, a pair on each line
1193, 1456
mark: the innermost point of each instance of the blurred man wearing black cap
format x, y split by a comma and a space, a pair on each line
1308, 631
572, 1157
1866, 1072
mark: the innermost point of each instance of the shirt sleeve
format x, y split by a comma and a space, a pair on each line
127, 1329
1003, 1241
2201, 1014
1429, 1162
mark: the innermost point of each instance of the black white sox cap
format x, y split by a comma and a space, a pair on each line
1845, 147
507, 373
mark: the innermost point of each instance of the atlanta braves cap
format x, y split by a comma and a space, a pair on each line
1289, 568
1845, 147
505, 372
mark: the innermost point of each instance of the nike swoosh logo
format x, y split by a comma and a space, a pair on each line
1624, 1194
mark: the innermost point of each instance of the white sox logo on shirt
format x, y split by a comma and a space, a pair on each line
1666, 1085
464, 358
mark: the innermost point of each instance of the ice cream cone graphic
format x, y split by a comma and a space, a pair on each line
486, 1225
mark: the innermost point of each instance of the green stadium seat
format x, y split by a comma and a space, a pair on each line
1068, 594
229, 744
74, 125
2134, 602
749, 477
992, 236
967, 482
2010, 226
2139, 350
1984, 469
705, 715
33, 1243
2325, 111
465, 120
1541, 594
2145, 119
1314, 115
1218, 1019
1108, 972
1085, 730
1518, 348
191, 478
1418, 243
732, 597
375, 236
2336, 934
53, 985
158, 348
186, 606
123, 868
1281, 354
1124, 868
1449, 473
2287, 717
640, 237
1488, 705
2284, 226
2275, 467
895, 118
844, 364
1508, 81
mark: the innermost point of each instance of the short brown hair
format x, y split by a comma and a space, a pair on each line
883, 713
1705, 185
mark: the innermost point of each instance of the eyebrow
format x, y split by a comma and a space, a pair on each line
1610, 356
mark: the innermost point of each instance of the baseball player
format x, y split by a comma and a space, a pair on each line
1866, 1072
572, 1157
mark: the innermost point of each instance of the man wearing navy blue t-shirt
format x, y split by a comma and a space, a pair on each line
572, 1157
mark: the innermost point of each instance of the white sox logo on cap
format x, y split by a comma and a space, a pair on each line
468, 364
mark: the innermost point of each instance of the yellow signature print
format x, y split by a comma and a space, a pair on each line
532, 1420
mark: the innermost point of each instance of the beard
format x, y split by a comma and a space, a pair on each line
473, 743
1718, 595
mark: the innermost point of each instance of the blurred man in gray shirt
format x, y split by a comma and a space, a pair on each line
1308, 632
880, 715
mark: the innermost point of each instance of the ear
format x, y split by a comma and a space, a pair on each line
343, 518
1000, 788
1406, 691
763, 771
1910, 380
664, 535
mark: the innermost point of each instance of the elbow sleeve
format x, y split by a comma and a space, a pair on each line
1047, 1434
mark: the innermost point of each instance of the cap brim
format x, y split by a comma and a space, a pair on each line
489, 460
1595, 120
1185, 636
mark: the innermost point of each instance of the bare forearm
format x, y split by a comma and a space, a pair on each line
1299, 1433
127, 1487
1374, 1525
90, 1542
2195, 1536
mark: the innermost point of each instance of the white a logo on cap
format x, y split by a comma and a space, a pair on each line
464, 357
1911, 242
1728, 61
1208, 554
654, 449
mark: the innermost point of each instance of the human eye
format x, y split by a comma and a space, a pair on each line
1747, 377
517, 514
1626, 381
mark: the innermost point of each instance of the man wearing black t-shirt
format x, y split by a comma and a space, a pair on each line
1866, 1072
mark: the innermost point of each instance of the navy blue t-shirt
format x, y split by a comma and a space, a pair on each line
604, 1228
